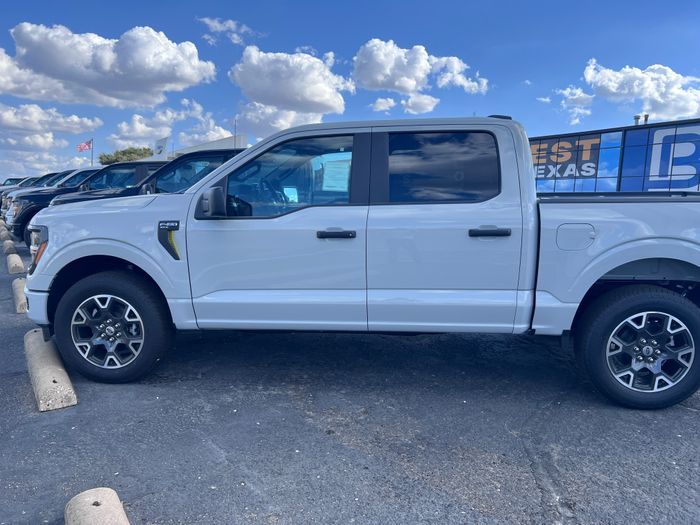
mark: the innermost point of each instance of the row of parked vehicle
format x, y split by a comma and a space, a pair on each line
22, 199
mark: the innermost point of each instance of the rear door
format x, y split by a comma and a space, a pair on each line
291, 252
444, 231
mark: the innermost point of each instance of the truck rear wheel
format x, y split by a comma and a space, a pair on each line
638, 345
112, 327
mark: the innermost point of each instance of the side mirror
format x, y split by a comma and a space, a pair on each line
85, 186
212, 204
147, 189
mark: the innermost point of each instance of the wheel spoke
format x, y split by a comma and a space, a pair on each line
650, 351
107, 331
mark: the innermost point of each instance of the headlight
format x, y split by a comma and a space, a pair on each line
40, 240
16, 207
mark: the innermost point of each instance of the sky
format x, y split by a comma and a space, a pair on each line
128, 73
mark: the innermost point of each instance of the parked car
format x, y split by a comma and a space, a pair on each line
42, 182
177, 175
11, 181
34, 182
389, 226
23, 204
118, 175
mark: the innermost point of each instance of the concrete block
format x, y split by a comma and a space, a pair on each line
8, 247
18, 295
5, 235
100, 505
15, 264
52, 386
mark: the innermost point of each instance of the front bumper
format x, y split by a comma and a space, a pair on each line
37, 303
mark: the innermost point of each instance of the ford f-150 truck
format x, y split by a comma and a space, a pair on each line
411, 226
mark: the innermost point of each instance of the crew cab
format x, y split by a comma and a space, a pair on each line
117, 176
410, 226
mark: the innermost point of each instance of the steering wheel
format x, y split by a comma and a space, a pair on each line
276, 196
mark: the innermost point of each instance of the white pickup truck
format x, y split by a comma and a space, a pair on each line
411, 226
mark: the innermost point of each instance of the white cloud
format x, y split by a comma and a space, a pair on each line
380, 65
298, 82
39, 163
232, 29
419, 103
576, 102
450, 72
287, 89
138, 68
663, 93
261, 120
527, 82
544, 100
31, 117
29, 127
142, 131
384, 66
383, 104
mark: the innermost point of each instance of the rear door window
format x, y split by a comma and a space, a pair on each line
443, 167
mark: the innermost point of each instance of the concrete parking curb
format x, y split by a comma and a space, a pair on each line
5, 235
100, 505
14, 263
2, 224
18, 295
52, 386
8, 247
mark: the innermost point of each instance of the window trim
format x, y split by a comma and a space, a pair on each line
379, 182
358, 191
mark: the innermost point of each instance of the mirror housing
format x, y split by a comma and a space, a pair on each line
211, 204
85, 186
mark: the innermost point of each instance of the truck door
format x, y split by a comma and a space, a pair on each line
444, 231
291, 251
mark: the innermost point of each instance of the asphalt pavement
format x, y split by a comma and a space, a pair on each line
328, 428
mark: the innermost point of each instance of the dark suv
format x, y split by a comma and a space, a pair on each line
177, 175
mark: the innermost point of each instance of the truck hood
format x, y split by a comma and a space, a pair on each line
78, 196
77, 209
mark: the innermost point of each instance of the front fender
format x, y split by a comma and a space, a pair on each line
46, 272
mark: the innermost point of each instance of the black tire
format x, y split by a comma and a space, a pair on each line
604, 317
154, 318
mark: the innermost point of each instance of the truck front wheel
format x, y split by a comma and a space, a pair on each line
112, 327
638, 345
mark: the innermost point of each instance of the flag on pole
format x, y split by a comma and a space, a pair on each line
85, 146
161, 146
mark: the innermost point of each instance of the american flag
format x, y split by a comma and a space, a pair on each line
85, 146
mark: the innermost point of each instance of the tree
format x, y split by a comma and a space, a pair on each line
122, 155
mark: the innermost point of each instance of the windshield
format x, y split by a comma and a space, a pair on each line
28, 182
180, 177
77, 179
50, 181
11, 182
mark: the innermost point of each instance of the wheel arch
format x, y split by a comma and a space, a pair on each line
674, 274
82, 267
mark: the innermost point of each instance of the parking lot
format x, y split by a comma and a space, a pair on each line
307, 428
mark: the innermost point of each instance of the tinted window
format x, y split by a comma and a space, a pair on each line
185, 174
120, 177
78, 178
293, 175
442, 167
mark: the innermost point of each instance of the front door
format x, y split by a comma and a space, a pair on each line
444, 233
291, 251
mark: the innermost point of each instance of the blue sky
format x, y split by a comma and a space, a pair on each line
591, 65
